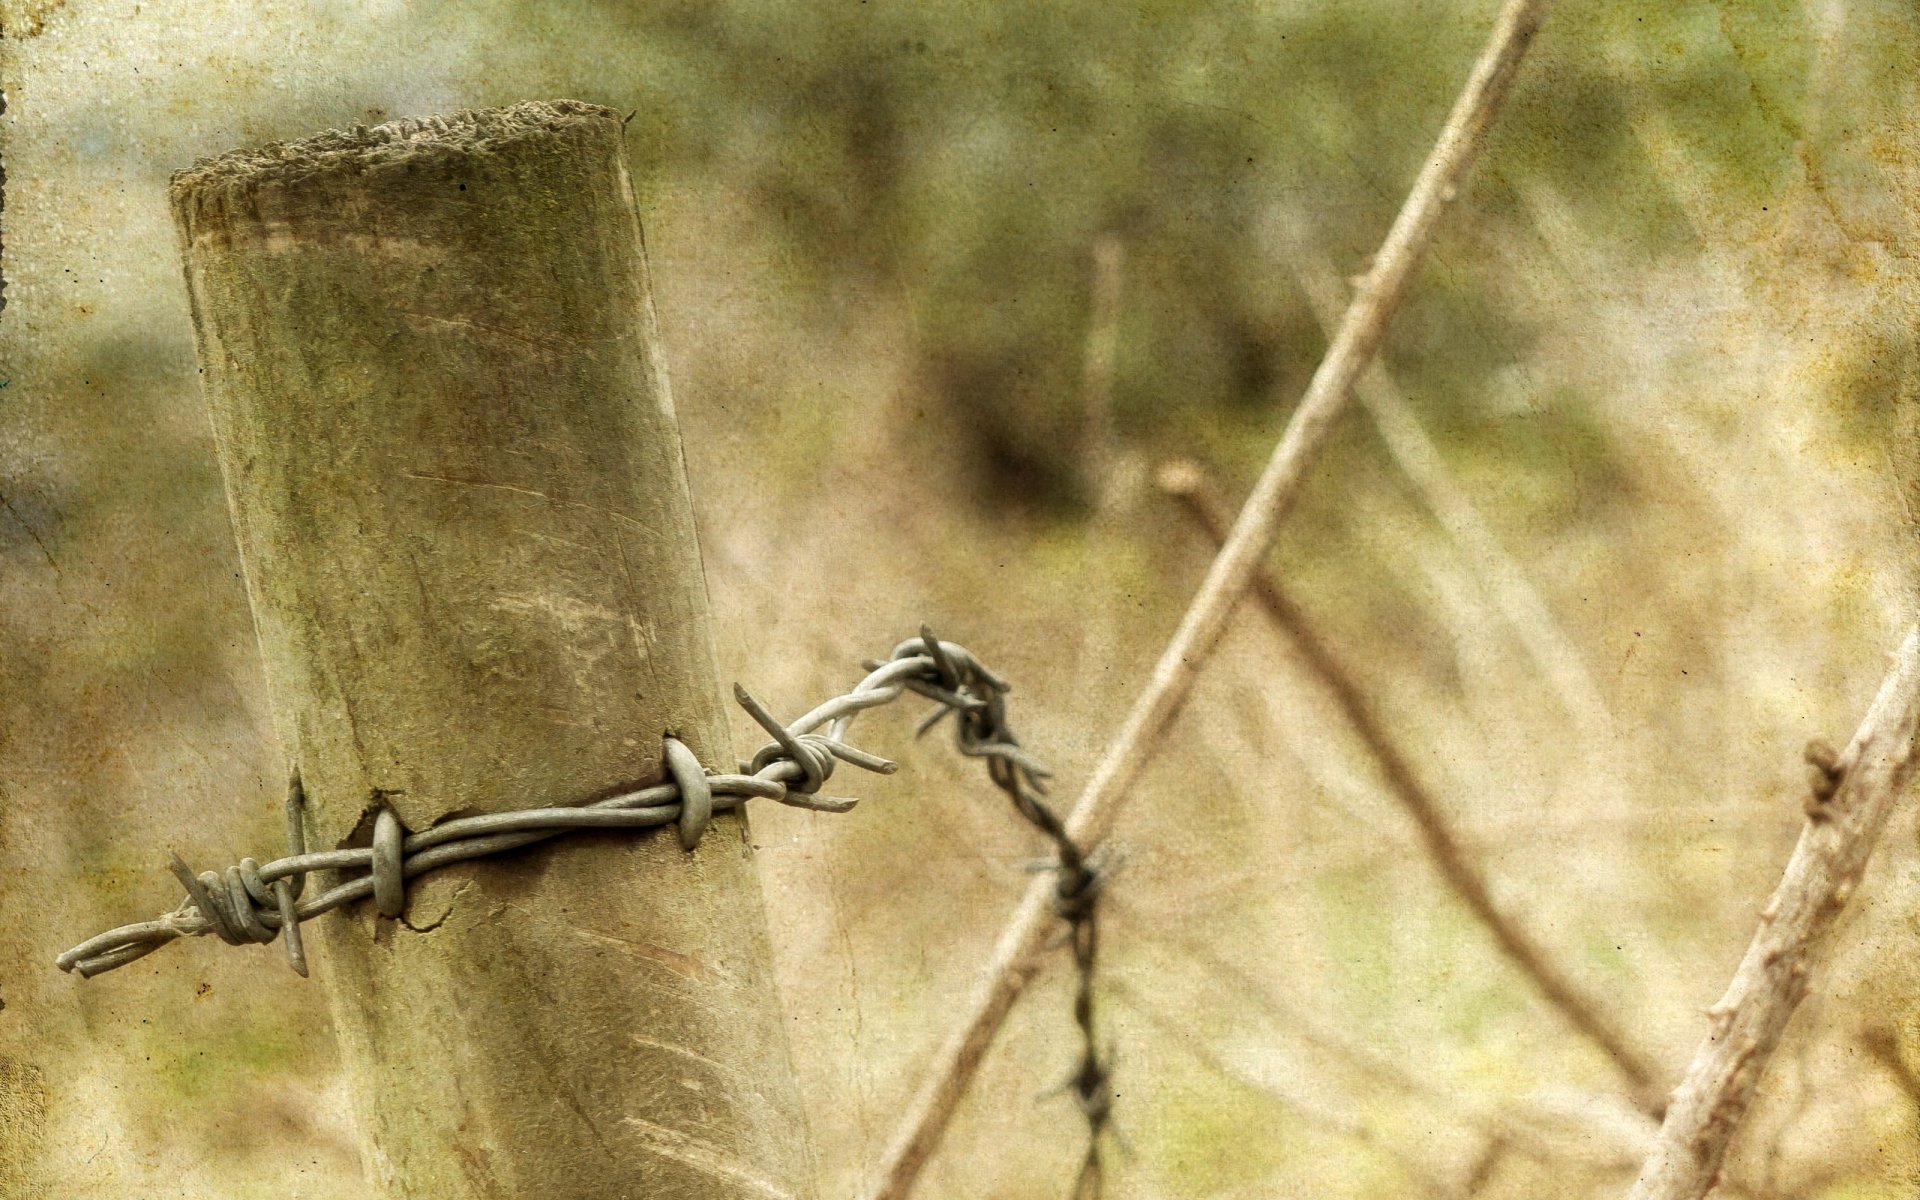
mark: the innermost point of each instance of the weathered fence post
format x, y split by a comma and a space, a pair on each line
430, 356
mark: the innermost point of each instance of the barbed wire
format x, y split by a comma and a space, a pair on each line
982, 732
254, 903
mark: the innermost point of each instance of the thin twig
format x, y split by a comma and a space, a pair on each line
1843, 823
1586, 1132
1106, 471
1420, 461
1189, 483
1481, 1172
1200, 631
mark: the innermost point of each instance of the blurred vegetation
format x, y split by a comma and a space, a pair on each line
971, 155
1658, 340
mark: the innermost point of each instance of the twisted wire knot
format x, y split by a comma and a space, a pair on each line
1093, 1091
236, 904
1080, 887
810, 752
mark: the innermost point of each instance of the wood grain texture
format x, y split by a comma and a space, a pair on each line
437, 393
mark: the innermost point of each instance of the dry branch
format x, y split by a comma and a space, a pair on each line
1106, 471
1826, 867
1883, 1047
1190, 484
1252, 537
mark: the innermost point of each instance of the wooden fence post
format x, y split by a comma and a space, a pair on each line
430, 357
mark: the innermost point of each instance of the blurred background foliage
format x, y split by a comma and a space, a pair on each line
973, 154
1658, 342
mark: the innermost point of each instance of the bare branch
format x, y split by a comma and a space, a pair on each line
1353, 347
1107, 473
1883, 1047
1826, 867
1483, 1168
1194, 488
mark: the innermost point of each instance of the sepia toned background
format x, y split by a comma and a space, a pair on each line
1658, 345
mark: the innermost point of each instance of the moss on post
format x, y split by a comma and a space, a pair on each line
430, 357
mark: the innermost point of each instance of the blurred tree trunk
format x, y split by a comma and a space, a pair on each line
458, 488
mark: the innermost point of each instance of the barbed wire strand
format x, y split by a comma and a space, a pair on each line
1080, 878
252, 903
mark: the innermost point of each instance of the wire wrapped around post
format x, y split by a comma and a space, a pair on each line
252, 903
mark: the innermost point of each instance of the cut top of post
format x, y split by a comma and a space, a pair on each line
236, 176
